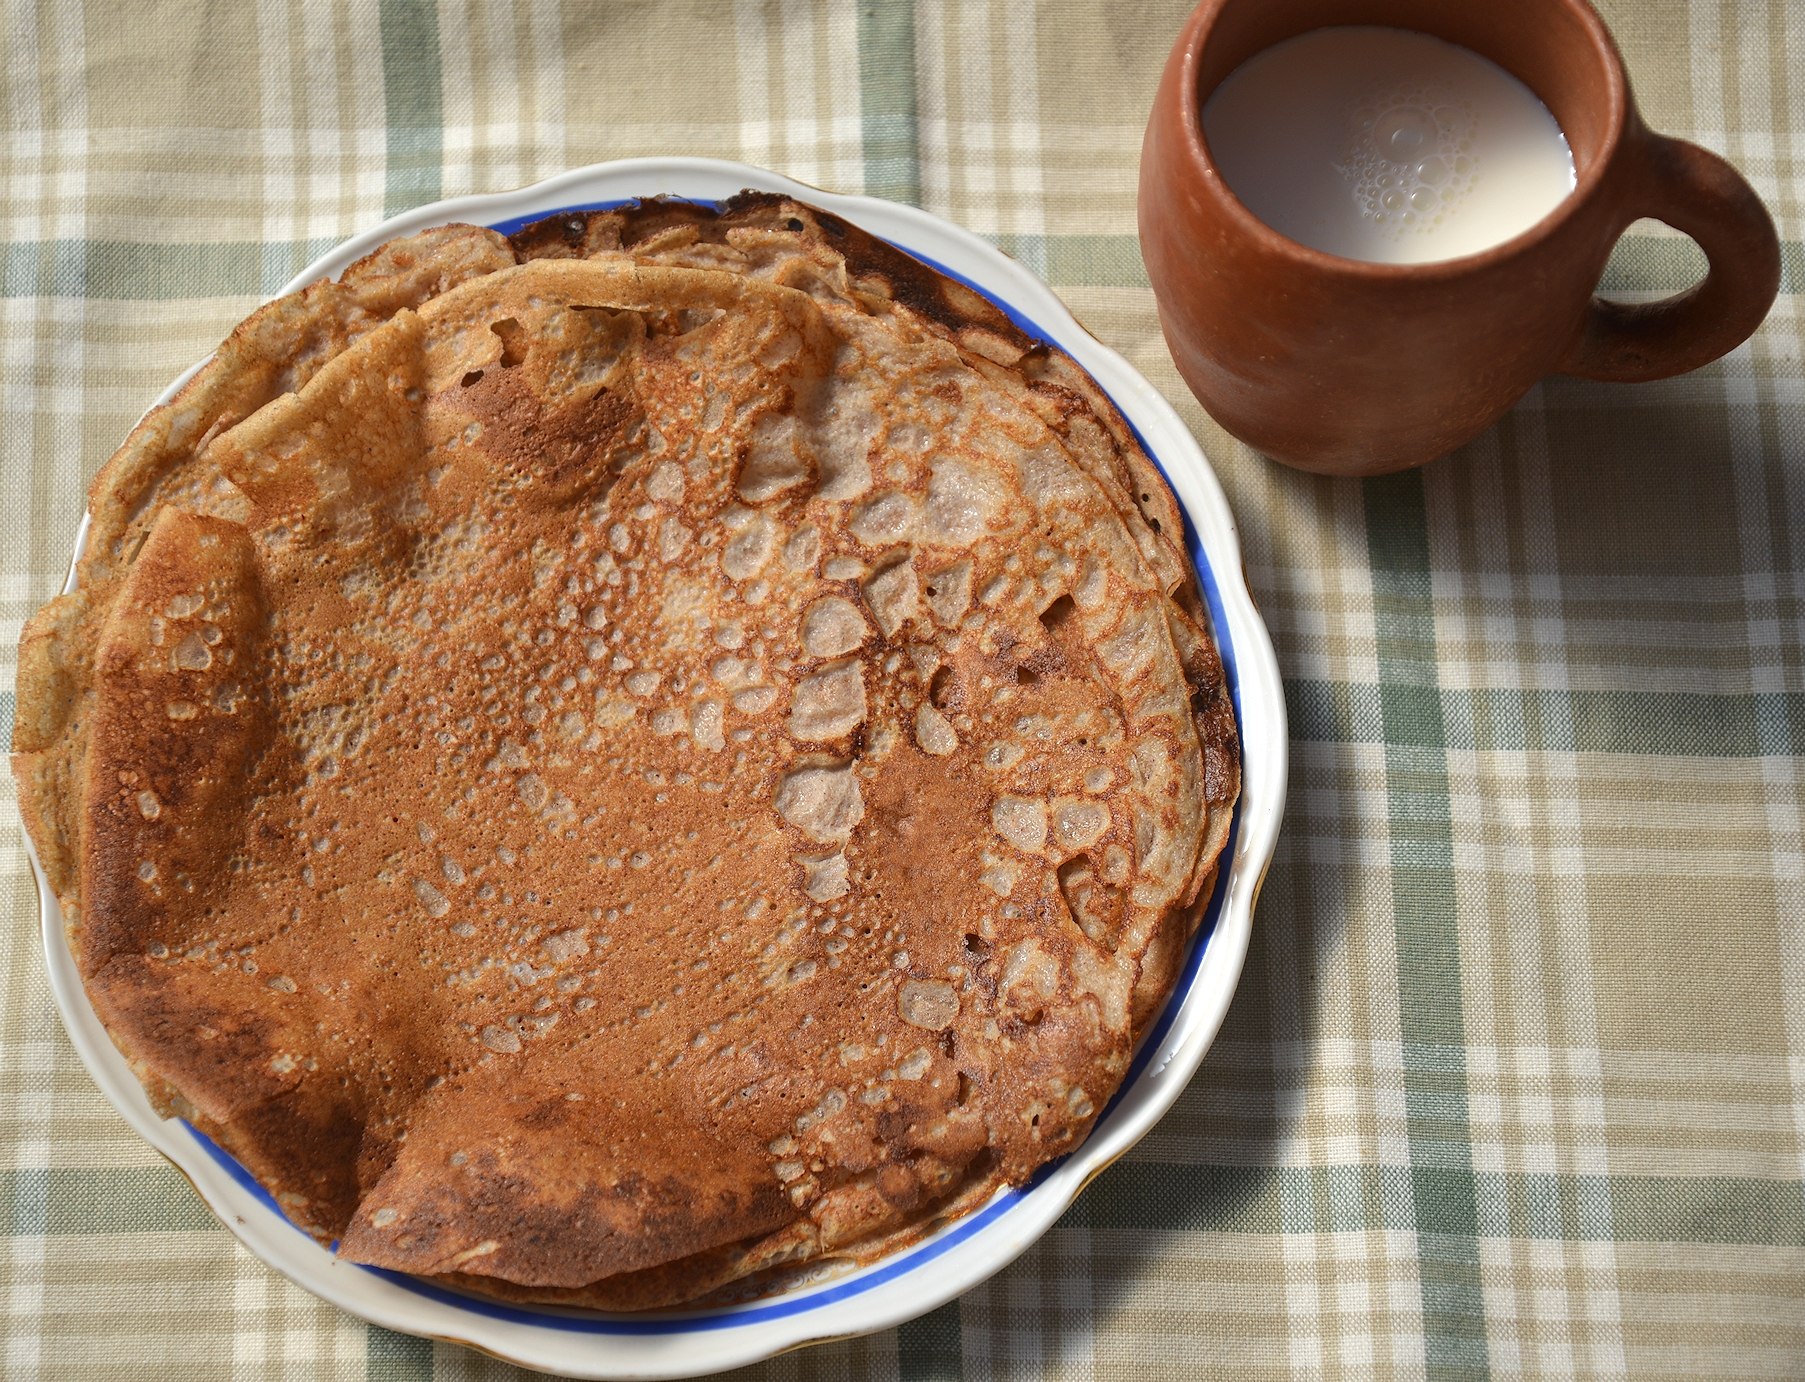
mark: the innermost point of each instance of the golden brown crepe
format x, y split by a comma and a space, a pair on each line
620, 762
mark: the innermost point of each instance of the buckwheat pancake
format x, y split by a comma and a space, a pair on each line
622, 764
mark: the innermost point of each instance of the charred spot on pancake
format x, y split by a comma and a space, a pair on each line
554, 235
570, 235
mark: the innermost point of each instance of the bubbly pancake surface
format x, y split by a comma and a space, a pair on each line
659, 762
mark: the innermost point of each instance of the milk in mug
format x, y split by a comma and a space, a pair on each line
1385, 144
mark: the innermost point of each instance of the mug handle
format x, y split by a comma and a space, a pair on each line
1700, 195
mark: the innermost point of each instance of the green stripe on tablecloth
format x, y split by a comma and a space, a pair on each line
413, 103
1640, 260
1131, 1197
1430, 1014
1676, 724
1148, 1197
929, 1349
888, 126
79, 1200
130, 270
392, 1357
141, 271
1081, 261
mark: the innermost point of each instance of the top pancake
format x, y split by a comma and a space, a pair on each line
613, 763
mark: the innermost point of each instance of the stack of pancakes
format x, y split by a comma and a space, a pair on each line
632, 759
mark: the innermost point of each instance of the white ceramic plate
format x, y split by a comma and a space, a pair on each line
913, 1281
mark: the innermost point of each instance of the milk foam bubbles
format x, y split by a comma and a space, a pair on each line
1387, 145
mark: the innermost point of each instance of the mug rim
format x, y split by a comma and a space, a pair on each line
1195, 36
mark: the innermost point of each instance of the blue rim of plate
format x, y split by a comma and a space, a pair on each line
731, 1317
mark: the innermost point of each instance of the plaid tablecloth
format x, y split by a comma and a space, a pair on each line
1515, 1082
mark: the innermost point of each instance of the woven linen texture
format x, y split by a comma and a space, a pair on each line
1514, 1085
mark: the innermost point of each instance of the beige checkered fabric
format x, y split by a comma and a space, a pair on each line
1515, 1082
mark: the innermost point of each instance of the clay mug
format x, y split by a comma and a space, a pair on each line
1352, 368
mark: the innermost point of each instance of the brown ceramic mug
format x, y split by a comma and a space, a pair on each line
1353, 368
